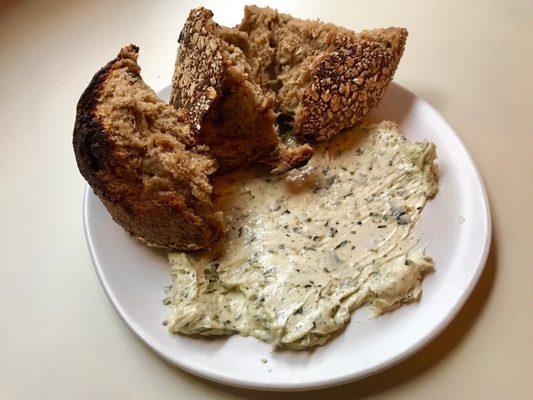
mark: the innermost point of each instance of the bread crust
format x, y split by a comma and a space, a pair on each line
348, 81
169, 220
199, 68
88, 137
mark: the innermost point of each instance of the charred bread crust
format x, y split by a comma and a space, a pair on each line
348, 81
168, 221
88, 138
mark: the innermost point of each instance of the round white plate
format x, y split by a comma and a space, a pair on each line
455, 226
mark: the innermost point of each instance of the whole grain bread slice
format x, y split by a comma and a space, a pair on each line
143, 160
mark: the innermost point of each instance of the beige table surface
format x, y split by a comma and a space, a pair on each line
60, 338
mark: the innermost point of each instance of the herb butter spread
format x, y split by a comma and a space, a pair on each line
306, 248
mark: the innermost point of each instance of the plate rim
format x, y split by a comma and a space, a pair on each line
328, 382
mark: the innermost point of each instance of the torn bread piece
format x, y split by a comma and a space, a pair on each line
325, 78
143, 160
229, 110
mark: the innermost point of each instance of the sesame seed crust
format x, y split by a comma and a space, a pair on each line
348, 81
199, 68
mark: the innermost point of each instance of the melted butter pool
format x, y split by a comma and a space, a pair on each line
306, 248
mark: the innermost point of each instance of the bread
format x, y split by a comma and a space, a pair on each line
143, 160
229, 110
318, 78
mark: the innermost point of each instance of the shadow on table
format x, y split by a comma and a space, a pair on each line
409, 369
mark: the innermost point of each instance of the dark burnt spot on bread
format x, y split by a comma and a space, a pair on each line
88, 138
285, 123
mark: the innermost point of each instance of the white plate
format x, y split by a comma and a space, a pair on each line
455, 226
